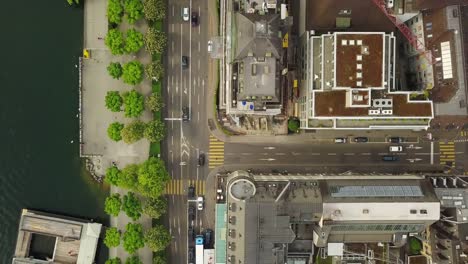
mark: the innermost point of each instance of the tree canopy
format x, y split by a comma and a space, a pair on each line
159, 260
132, 206
157, 238
154, 131
114, 101
155, 207
134, 103
133, 132
113, 131
112, 238
155, 41
114, 11
293, 125
132, 73
115, 41
114, 261
133, 238
71, 2
154, 10
133, 10
113, 204
133, 260
154, 102
134, 41
129, 177
112, 175
115, 70
154, 71
152, 177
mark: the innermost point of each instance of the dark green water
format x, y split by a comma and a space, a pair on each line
39, 167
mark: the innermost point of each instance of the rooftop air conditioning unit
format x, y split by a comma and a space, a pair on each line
387, 112
374, 111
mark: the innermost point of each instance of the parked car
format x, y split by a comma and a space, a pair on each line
395, 149
395, 139
191, 254
191, 233
185, 14
361, 139
340, 140
390, 158
191, 191
191, 213
201, 159
185, 114
194, 19
185, 62
208, 237
200, 203
210, 46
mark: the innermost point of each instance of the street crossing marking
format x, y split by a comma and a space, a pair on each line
180, 187
447, 153
216, 152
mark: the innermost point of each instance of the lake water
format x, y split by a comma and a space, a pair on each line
39, 166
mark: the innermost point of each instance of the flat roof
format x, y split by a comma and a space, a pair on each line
359, 59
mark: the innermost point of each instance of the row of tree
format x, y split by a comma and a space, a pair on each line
153, 131
153, 40
157, 259
133, 10
132, 72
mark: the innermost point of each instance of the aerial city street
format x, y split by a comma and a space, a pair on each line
267, 132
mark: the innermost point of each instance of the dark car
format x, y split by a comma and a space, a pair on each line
194, 19
390, 158
201, 159
395, 139
185, 62
191, 213
191, 254
361, 139
191, 233
185, 114
208, 237
191, 191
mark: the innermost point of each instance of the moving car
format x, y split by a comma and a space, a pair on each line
208, 237
395, 139
201, 159
191, 254
340, 140
185, 114
185, 62
200, 203
194, 19
210, 46
191, 213
185, 14
390, 158
191, 191
191, 233
395, 149
361, 139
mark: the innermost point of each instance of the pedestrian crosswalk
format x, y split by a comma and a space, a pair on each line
216, 152
464, 133
447, 153
180, 187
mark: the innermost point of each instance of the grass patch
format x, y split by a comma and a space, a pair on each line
320, 260
156, 87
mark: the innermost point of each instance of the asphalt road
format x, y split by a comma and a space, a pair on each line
185, 140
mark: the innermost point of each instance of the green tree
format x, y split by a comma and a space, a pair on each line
133, 10
132, 206
157, 238
133, 238
293, 125
113, 131
133, 260
71, 2
133, 132
154, 102
114, 101
115, 41
129, 177
132, 72
114, 261
154, 71
113, 204
114, 11
155, 207
154, 10
112, 238
152, 177
134, 41
154, 131
155, 41
112, 175
159, 260
115, 70
134, 103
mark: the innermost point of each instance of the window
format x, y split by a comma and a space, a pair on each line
413, 211
423, 211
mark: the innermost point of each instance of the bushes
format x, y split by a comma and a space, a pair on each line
132, 73
115, 41
133, 238
154, 71
134, 41
114, 11
115, 70
114, 131
154, 131
112, 238
155, 41
114, 101
113, 204
133, 132
131, 206
133, 10
154, 10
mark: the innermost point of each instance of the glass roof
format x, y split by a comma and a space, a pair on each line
376, 191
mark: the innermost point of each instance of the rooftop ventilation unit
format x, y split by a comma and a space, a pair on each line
374, 111
382, 103
387, 112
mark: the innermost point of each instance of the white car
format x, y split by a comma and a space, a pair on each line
389, 3
395, 148
210, 46
200, 203
185, 14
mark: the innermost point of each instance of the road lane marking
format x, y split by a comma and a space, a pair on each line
432, 152
199, 47
198, 114
199, 27
315, 154
349, 154
246, 154
198, 99
366, 154
172, 46
216, 152
331, 154
199, 69
173, 10
280, 154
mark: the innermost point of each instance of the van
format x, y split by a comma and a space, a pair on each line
340, 140
390, 158
395, 149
